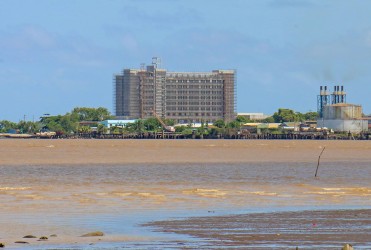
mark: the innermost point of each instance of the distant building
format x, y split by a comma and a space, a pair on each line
253, 116
339, 115
186, 97
343, 117
116, 123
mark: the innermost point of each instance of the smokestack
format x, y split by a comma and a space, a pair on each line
325, 88
342, 88
320, 88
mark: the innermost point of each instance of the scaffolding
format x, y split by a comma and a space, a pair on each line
186, 97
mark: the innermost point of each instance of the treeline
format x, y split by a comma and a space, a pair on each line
63, 124
71, 123
288, 115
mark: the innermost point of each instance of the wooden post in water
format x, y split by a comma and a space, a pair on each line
319, 157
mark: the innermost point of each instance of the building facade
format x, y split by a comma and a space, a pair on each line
336, 114
253, 116
343, 117
186, 97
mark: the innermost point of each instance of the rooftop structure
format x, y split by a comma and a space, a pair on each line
186, 97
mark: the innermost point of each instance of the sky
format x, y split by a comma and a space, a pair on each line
57, 55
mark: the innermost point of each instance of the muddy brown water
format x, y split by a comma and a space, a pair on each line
71, 187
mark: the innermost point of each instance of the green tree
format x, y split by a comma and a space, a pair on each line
169, 122
6, 125
311, 116
219, 123
287, 115
137, 126
101, 129
91, 114
28, 127
234, 124
67, 124
187, 131
116, 130
180, 129
84, 129
241, 119
269, 119
151, 124
54, 123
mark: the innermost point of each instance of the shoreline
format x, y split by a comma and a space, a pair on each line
308, 229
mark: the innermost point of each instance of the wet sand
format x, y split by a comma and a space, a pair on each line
284, 230
56, 152
72, 187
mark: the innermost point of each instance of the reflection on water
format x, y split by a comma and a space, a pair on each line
62, 193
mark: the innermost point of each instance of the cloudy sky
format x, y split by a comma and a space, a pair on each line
56, 55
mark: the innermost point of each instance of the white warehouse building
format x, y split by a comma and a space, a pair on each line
343, 117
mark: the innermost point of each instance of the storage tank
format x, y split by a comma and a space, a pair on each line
342, 111
343, 117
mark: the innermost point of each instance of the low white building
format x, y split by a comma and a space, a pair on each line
116, 123
343, 117
353, 126
253, 116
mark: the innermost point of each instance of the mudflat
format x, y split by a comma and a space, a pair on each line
75, 151
283, 230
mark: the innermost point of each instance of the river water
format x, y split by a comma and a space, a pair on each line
116, 199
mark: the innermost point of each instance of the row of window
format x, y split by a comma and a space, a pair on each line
214, 86
169, 103
189, 114
181, 97
195, 108
190, 92
194, 81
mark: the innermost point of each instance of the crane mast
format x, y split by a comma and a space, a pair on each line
167, 128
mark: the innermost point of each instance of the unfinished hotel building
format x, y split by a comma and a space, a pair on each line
185, 97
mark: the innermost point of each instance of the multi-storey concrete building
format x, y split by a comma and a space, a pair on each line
185, 97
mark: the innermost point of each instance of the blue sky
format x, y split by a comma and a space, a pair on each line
57, 55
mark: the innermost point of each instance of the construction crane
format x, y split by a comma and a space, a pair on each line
167, 128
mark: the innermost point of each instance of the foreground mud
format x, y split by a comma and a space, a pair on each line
285, 230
